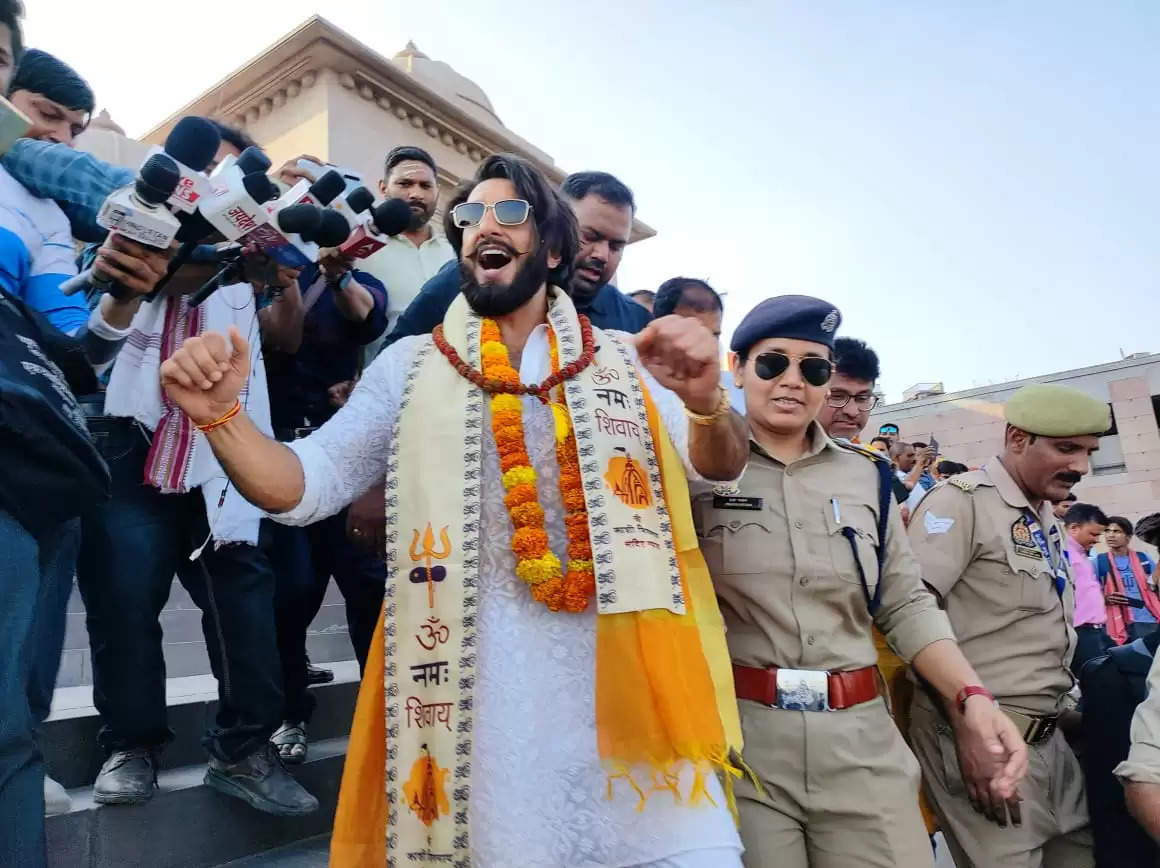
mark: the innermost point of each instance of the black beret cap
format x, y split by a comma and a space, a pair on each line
801, 317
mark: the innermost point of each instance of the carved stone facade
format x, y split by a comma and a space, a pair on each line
320, 91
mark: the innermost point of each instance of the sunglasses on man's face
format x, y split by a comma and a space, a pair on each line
508, 212
815, 371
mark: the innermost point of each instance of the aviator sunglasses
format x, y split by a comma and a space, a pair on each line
815, 371
508, 212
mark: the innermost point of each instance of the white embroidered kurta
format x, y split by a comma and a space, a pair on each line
539, 790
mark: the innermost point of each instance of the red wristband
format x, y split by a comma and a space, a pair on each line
967, 692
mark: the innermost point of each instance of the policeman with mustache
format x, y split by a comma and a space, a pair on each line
992, 550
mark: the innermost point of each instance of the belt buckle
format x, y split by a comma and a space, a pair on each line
803, 690
1041, 730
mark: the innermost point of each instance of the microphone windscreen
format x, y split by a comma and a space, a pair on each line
392, 217
332, 229
193, 142
300, 218
260, 187
326, 188
158, 178
359, 199
253, 160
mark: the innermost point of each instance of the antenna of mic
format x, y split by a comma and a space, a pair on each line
392, 217
193, 142
327, 188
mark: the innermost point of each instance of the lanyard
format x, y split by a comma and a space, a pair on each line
1057, 564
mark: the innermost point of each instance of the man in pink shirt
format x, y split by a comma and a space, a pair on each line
1085, 523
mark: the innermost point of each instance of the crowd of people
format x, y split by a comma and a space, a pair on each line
612, 604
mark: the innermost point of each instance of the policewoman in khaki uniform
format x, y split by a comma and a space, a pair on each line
803, 564
990, 546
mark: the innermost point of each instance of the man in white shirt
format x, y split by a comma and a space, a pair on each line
519, 706
412, 257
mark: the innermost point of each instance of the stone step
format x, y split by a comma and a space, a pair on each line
183, 643
69, 738
188, 825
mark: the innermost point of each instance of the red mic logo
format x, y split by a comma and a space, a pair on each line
186, 191
241, 219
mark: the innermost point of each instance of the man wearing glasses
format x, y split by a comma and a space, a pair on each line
806, 558
847, 408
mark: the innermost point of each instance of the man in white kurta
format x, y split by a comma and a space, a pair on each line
537, 668
540, 794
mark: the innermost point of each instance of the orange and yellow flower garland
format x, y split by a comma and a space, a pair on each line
535, 562
580, 579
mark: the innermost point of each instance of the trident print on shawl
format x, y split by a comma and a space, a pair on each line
429, 574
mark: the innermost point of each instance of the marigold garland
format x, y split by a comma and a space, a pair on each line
579, 583
550, 582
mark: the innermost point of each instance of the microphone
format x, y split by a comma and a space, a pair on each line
286, 224
332, 230
387, 219
322, 192
353, 203
283, 237
192, 144
138, 213
237, 206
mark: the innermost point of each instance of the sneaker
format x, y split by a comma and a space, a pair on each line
290, 739
128, 777
315, 675
261, 780
56, 800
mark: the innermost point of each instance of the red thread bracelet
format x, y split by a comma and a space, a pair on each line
217, 423
967, 692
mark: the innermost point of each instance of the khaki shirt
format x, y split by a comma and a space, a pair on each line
1143, 762
998, 589
786, 577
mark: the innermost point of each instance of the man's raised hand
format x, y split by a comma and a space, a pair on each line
205, 376
684, 357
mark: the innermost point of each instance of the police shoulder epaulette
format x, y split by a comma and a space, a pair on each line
960, 482
864, 451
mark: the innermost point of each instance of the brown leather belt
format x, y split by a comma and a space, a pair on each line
1034, 729
803, 690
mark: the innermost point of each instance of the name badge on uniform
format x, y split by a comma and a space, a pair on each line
1024, 543
737, 501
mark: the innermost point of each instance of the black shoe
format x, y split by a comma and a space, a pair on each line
314, 675
261, 780
128, 777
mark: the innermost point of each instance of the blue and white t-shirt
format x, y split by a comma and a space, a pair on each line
37, 255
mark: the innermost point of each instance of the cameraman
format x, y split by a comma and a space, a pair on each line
344, 310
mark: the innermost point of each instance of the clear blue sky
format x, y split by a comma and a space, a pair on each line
973, 184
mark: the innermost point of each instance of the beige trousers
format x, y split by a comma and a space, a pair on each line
840, 790
1056, 831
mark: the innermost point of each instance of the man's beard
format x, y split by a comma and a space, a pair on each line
581, 289
499, 299
419, 219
